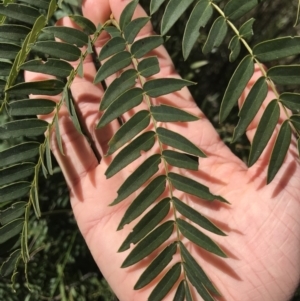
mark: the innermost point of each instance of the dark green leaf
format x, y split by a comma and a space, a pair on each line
129, 130
9, 246
200, 239
17, 153
173, 12
113, 46
133, 28
48, 157
236, 86
9, 51
27, 107
277, 48
130, 153
58, 50
127, 13
235, 47
196, 217
154, 5
113, 65
84, 23
37, 3
199, 17
147, 224
150, 243
10, 230
12, 212
291, 101
216, 35
52, 8
264, 131
246, 30
180, 292
13, 33
128, 100
15, 173
147, 197
285, 75
163, 86
142, 174
113, 31
280, 150
179, 142
141, 47
251, 105
235, 9
298, 146
149, 66
121, 84
14, 191
57, 134
180, 160
187, 291
192, 187
295, 119
45, 87
9, 265
5, 68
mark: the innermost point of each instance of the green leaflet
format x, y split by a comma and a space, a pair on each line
236, 86
11, 229
148, 66
84, 23
9, 246
154, 5
13, 212
149, 243
180, 160
113, 31
57, 134
166, 283
264, 131
15, 173
295, 119
68, 34
200, 239
172, 13
196, 217
180, 292
216, 35
234, 9
199, 17
133, 28
27, 107
113, 65
192, 187
128, 100
246, 30
13, 33
141, 47
37, 3
291, 101
298, 146
142, 174
129, 130
131, 152
187, 291
5, 68
112, 47
10, 264
17, 153
179, 142
127, 13
250, 107
277, 48
280, 150
285, 75
156, 266
235, 47
14, 191
166, 113
147, 224
48, 157
9, 51
147, 197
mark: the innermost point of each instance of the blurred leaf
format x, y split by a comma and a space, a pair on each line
298, 12
180, 292
113, 31
246, 30
85, 24
13, 191
149, 66
295, 119
180, 160
113, 46
13, 33
57, 134
48, 157
37, 3
127, 13
5, 68
285, 75
15, 173
13, 212
11, 229
25, 107
291, 101
154, 5
141, 47
235, 47
134, 27
235, 9
9, 51
10, 264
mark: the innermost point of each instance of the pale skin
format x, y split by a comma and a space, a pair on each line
262, 222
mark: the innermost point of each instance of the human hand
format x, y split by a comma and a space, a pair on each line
262, 222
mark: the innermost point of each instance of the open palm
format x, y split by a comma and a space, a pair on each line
262, 221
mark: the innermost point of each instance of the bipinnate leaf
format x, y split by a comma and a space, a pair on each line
113, 65
280, 150
121, 84
148, 66
112, 47
150, 243
13, 33
147, 224
196, 217
11, 229
133, 28
16, 172
127, 13
9, 50
131, 152
166, 283
141, 47
236, 86
9, 265
142, 174
199, 17
147, 197
295, 119
235, 9
285, 75
277, 48
180, 160
27, 107
291, 101
11, 213
129, 130
180, 292
216, 35
250, 107
246, 30
173, 12
85, 24
166, 113
235, 47
200, 239
264, 131
192, 187
154, 5
179, 142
